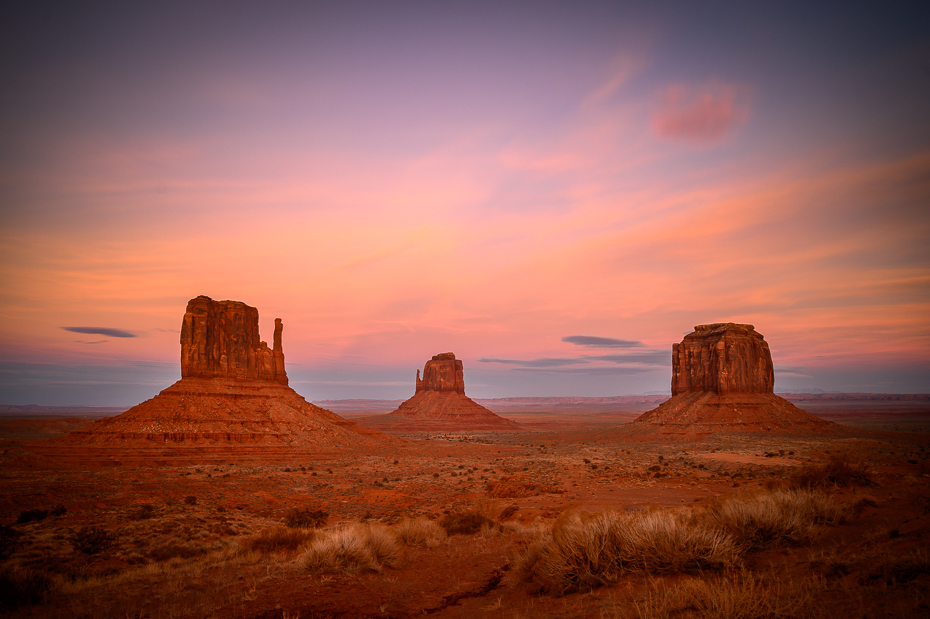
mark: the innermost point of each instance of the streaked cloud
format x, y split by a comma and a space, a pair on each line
534, 363
99, 331
703, 115
601, 342
658, 357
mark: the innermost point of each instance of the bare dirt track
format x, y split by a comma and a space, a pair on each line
174, 556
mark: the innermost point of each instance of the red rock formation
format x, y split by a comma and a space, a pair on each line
442, 373
723, 378
723, 358
233, 389
440, 404
219, 339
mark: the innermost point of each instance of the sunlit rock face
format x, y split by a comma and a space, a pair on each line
722, 358
219, 339
442, 373
723, 380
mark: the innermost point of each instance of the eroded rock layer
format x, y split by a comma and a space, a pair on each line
722, 358
440, 403
219, 339
723, 380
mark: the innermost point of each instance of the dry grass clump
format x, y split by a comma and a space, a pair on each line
23, 587
278, 539
839, 470
466, 522
515, 488
356, 547
743, 597
582, 551
780, 517
421, 532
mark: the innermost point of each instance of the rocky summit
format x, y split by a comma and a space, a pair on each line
440, 404
723, 379
233, 390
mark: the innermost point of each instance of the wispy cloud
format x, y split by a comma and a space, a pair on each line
534, 363
601, 342
657, 357
706, 114
99, 331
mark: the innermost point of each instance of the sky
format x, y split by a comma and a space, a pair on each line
554, 191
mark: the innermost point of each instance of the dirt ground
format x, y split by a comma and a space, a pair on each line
179, 526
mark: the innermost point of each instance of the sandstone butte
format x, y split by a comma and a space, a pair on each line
723, 380
440, 404
233, 390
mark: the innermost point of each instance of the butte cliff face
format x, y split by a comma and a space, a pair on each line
440, 404
219, 339
233, 390
723, 379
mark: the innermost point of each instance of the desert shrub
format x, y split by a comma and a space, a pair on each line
143, 512
278, 539
582, 551
780, 517
465, 522
190, 500
839, 470
508, 513
92, 540
743, 597
358, 547
22, 587
306, 518
419, 532
173, 550
9, 540
29, 515
515, 488
903, 570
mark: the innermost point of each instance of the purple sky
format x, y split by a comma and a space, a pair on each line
500, 180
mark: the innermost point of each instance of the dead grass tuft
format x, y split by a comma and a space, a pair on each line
780, 517
466, 522
745, 596
421, 532
278, 539
515, 488
356, 547
840, 470
582, 551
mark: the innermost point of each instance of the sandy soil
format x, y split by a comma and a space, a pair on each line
171, 562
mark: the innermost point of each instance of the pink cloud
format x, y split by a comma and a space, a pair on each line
704, 115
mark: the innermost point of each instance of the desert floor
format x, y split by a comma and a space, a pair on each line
178, 527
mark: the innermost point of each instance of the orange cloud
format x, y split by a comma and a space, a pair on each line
703, 115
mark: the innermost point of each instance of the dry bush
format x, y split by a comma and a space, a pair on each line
839, 470
92, 540
775, 518
515, 488
278, 539
421, 532
306, 518
466, 522
744, 597
23, 587
357, 547
582, 551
